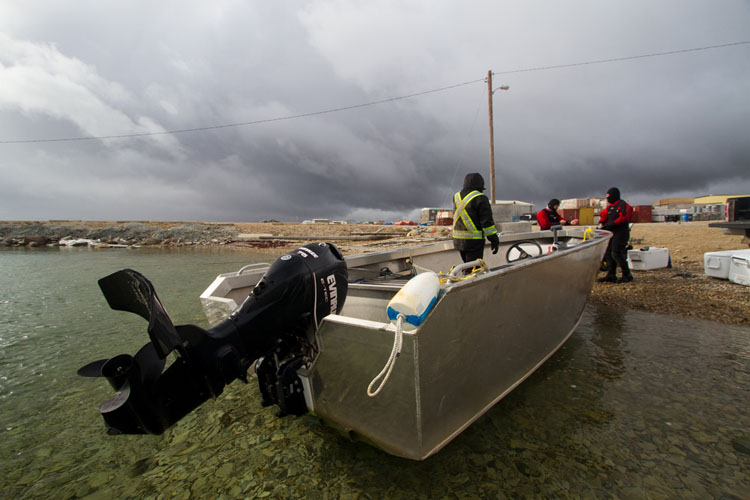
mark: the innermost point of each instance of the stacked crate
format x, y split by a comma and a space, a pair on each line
586, 210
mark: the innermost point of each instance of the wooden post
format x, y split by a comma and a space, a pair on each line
492, 139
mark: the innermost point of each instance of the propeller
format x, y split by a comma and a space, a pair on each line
146, 361
93, 369
124, 373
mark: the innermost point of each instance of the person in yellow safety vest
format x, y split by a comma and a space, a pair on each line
472, 220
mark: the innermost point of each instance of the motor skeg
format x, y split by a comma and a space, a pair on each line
275, 325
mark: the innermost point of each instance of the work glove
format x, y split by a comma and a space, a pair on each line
494, 243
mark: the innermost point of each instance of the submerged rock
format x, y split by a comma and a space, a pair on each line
742, 444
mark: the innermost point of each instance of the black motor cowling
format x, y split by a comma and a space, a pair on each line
275, 325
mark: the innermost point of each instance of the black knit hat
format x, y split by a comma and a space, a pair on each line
552, 203
613, 194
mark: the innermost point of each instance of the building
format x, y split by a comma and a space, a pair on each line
673, 203
511, 210
711, 207
502, 211
716, 199
670, 209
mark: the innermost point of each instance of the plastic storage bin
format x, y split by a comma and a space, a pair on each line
653, 258
739, 269
716, 264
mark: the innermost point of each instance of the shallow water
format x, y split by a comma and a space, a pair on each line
635, 405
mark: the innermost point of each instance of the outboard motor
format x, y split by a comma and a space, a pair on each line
275, 325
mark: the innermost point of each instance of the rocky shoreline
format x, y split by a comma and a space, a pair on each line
682, 290
257, 235
72, 233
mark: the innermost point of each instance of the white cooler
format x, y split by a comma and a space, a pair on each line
653, 258
717, 264
739, 269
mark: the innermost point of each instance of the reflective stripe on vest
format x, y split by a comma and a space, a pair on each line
471, 232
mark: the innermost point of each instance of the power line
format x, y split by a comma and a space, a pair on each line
255, 122
371, 103
602, 61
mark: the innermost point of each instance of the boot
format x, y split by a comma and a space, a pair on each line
627, 276
609, 278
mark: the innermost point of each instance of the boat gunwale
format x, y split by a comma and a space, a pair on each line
475, 281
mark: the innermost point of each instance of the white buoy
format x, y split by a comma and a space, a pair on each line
415, 299
409, 306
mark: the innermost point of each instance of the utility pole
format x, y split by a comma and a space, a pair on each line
490, 92
492, 138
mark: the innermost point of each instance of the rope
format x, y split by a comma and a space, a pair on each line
589, 233
385, 373
445, 278
397, 340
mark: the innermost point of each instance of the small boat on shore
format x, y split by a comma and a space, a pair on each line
482, 335
442, 342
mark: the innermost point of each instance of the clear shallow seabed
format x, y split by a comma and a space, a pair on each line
635, 405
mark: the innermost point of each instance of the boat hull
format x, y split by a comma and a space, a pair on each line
483, 338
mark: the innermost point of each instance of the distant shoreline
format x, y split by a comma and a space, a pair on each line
275, 235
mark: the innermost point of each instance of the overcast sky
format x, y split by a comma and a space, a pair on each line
668, 126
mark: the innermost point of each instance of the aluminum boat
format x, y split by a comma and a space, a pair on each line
484, 335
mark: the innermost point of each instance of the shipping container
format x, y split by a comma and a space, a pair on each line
569, 213
428, 215
642, 213
444, 218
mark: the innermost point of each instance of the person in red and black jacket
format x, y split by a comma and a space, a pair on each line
616, 218
548, 216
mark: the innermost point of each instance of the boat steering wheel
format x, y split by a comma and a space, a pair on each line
522, 253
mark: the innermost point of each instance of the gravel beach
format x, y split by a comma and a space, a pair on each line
682, 290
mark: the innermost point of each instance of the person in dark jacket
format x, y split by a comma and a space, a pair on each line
472, 220
616, 218
549, 216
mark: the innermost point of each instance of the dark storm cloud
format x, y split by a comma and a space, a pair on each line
656, 127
